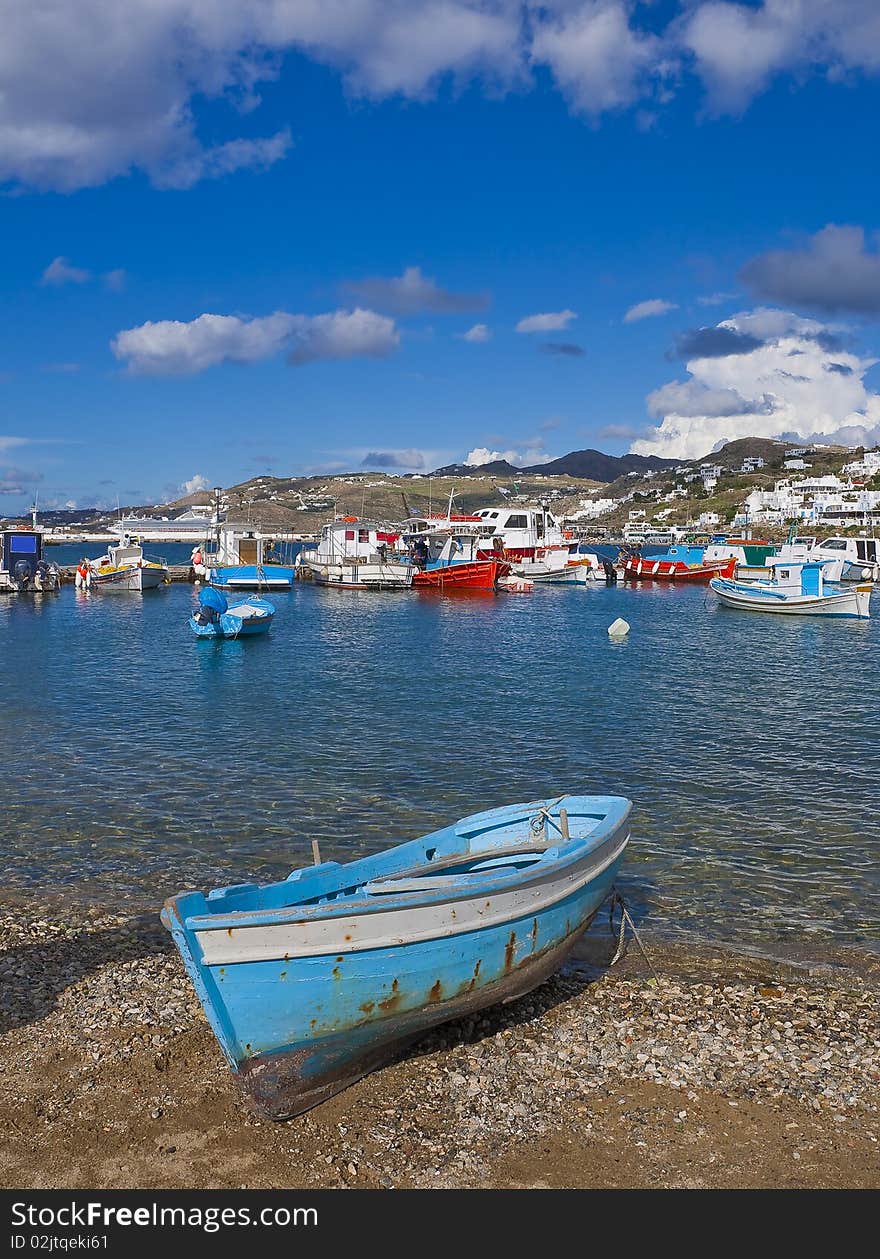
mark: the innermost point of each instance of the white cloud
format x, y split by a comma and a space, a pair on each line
60, 271
195, 485
596, 57
796, 376
739, 49
552, 322
529, 453
344, 334
173, 348
647, 310
477, 335
97, 89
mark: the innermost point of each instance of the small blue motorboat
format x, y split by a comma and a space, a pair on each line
218, 619
310, 983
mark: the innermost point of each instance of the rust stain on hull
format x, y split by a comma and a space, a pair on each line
509, 950
282, 1084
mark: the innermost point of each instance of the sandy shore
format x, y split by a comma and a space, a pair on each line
723, 1072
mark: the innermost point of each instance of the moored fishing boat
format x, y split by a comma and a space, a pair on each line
218, 619
449, 560
310, 983
355, 554
797, 588
244, 558
124, 568
679, 563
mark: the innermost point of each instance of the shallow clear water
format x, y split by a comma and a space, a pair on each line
138, 761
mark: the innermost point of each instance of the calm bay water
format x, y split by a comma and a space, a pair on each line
139, 761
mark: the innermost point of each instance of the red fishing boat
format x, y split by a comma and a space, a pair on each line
481, 575
450, 560
672, 567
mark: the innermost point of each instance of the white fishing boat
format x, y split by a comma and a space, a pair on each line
797, 588
355, 554
124, 567
527, 533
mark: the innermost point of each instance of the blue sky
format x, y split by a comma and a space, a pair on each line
267, 260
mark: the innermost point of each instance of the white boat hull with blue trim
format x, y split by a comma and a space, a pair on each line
797, 588
310, 983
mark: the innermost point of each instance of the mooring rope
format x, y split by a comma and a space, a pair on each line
617, 899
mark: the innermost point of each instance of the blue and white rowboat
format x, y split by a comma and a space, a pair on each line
797, 587
310, 983
218, 619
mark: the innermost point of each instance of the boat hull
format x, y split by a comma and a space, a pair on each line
148, 577
305, 1001
675, 570
252, 577
361, 576
231, 627
853, 603
479, 575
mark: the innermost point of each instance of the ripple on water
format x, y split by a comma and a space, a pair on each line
140, 761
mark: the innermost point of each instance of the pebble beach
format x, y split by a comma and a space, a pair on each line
695, 1069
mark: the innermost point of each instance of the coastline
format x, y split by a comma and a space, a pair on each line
727, 1070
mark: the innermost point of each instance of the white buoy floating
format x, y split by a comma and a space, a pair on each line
618, 628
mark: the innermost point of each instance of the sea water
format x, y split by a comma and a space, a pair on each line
137, 760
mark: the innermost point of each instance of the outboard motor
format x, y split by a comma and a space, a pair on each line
610, 573
212, 605
21, 574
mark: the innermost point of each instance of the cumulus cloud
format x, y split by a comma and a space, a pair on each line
783, 379
412, 292
833, 272
96, 90
60, 271
738, 49
477, 335
564, 349
552, 322
343, 334
529, 452
195, 485
647, 310
599, 60
170, 347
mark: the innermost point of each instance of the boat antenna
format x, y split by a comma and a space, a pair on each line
34, 512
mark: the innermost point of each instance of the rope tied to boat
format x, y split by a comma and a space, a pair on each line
617, 900
537, 822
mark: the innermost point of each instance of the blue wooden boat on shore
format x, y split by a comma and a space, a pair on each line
311, 983
218, 619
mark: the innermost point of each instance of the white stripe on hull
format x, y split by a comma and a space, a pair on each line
848, 604
393, 927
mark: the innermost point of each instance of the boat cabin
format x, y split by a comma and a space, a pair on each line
354, 539
240, 546
522, 529
799, 578
21, 558
457, 546
856, 550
